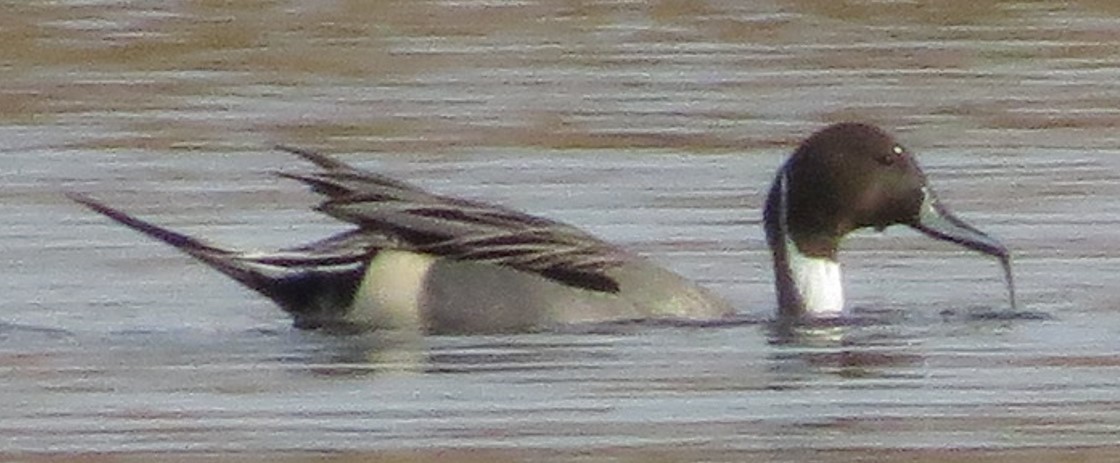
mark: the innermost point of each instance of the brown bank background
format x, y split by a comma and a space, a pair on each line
657, 125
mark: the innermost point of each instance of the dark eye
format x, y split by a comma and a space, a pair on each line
892, 155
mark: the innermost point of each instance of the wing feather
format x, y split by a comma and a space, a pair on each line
392, 213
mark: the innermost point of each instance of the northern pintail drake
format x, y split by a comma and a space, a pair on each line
420, 261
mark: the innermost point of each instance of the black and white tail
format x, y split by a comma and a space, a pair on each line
315, 288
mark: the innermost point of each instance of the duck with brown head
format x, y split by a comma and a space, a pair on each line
437, 264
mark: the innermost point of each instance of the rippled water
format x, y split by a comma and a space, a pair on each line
657, 126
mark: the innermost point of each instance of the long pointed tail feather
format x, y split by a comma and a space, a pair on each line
220, 259
316, 289
180, 241
243, 271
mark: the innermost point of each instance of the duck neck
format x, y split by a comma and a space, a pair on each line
808, 284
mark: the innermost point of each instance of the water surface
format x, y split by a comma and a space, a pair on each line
655, 126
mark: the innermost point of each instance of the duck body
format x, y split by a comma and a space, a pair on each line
473, 297
438, 264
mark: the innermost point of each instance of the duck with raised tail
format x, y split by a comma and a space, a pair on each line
420, 261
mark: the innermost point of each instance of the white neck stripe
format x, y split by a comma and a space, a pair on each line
817, 280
